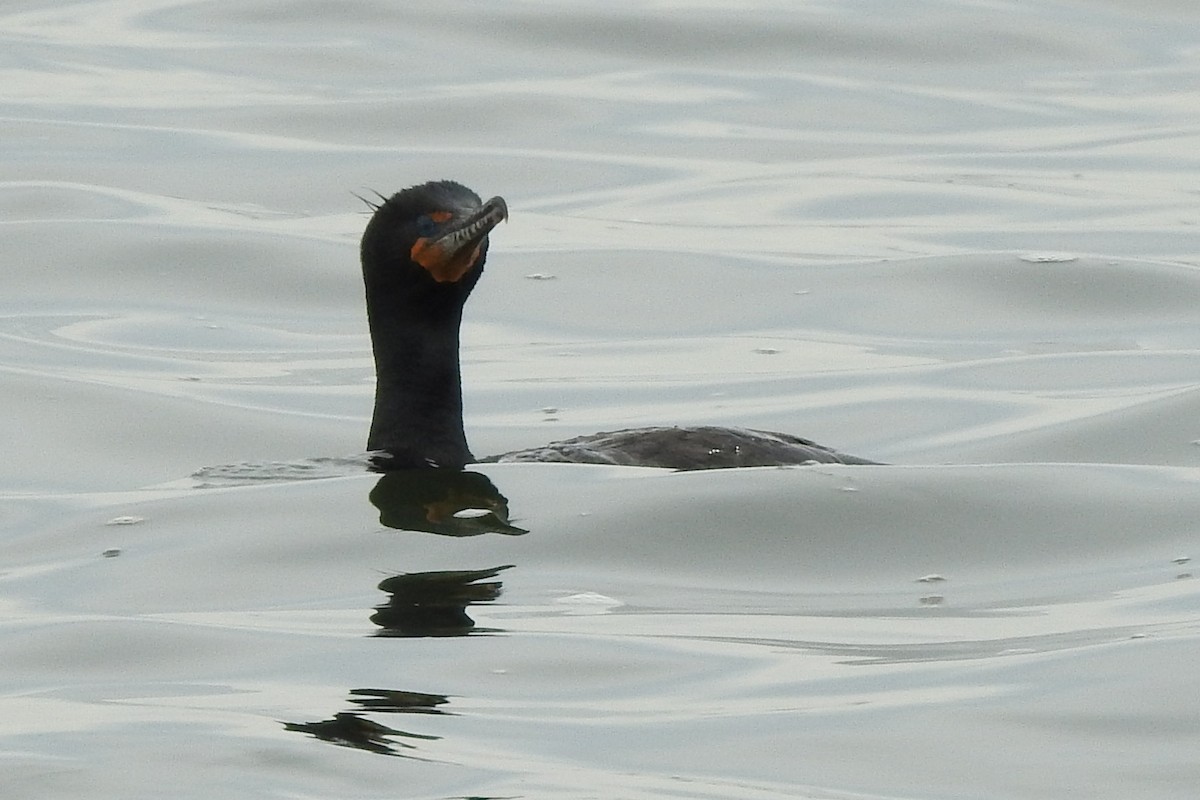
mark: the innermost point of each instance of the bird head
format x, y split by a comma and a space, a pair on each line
432, 234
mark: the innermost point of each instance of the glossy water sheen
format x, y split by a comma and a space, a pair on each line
962, 240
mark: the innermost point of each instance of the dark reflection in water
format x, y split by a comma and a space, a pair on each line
445, 502
421, 604
448, 503
399, 702
352, 729
435, 603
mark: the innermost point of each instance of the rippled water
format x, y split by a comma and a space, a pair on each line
962, 239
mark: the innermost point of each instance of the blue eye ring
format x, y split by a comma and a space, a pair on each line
426, 226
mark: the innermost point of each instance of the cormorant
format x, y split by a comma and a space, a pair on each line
422, 253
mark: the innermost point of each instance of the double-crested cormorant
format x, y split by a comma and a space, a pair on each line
422, 253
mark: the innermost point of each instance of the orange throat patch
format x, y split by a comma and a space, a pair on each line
443, 266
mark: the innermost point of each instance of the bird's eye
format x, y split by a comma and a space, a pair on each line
426, 226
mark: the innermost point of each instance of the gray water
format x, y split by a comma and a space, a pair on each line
961, 239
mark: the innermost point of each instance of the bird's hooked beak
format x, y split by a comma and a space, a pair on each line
455, 250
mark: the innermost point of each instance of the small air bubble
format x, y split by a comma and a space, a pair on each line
588, 603
1048, 258
540, 276
931, 578
125, 520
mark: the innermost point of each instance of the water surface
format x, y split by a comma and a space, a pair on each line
963, 242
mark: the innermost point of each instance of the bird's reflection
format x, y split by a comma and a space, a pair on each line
397, 701
445, 502
435, 603
420, 604
352, 729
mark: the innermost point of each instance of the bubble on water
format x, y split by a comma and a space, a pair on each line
588, 603
1048, 258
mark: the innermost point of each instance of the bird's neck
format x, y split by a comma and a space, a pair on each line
418, 392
